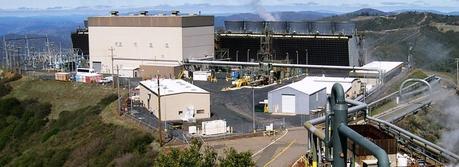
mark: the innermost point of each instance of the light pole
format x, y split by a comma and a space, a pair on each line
297, 57
159, 114
307, 56
253, 109
111, 55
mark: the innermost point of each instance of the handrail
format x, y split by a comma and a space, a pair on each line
450, 156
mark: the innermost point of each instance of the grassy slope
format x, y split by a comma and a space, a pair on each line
63, 96
87, 130
390, 104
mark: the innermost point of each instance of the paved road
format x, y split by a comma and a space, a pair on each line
285, 151
142, 114
401, 110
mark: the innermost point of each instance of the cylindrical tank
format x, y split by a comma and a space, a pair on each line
254, 26
298, 27
277, 27
345, 28
234, 26
322, 27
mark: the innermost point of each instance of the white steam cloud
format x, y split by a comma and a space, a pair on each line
450, 136
261, 11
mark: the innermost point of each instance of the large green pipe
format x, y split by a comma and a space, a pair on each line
340, 132
339, 112
379, 153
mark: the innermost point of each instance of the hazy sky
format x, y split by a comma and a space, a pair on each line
441, 5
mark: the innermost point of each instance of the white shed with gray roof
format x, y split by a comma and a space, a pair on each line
180, 100
297, 98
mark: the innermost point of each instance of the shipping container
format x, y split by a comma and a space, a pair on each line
62, 76
201, 75
88, 77
213, 127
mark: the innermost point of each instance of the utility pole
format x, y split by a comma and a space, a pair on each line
28, 52
111, 55
6, 63
457, 72
159, 115
118, 88
253, 109
49, 51
129, 94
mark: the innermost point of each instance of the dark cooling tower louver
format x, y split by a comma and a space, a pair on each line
234, 26
255, 27
298, 27
276, 27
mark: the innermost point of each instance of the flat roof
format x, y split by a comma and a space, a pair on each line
385, 66
151, 21
328, 82
304, 86
171, 86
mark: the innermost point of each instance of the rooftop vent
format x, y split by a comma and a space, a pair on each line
144, 13
114, 13
175, 13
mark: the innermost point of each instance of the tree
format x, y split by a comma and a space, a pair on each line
234, 159
207, 157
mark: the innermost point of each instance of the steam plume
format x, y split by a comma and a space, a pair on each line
262, 12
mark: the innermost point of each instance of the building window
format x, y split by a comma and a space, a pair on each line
200, 111
150, 45
180, 112
135, 44
166, 45
118, 44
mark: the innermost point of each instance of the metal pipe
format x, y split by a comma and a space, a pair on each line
339, 110
314, 152
317, 132
431, 147
414, 80
379, 153
358, 106
276, 65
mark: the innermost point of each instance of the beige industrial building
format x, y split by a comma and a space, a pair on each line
146, 45
180, 100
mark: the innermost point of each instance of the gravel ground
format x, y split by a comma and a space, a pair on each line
236, 107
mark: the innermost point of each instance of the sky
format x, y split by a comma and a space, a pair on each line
271, 5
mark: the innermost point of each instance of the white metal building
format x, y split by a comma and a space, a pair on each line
352, 86
388, 69
144, 40
297, 98
180, 100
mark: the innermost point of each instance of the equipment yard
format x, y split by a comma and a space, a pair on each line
236, 107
